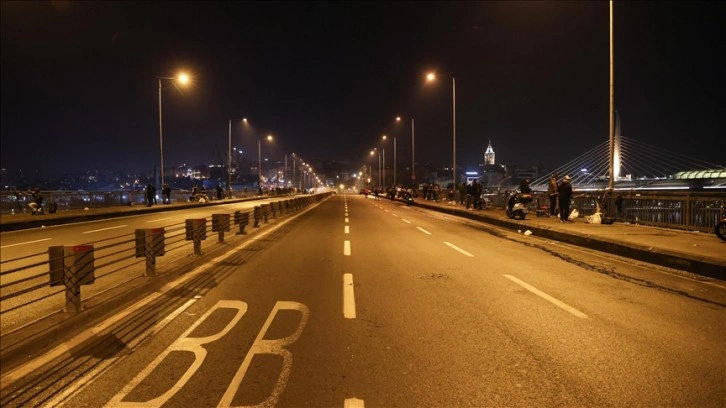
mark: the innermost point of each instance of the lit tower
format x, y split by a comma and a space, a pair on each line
489, 155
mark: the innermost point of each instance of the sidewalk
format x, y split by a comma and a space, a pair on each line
696, 252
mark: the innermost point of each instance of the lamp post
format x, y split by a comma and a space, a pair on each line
383, 149
182, 79
259, 160
413, 156
229, 158
431, 77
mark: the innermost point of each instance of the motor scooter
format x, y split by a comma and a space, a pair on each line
518, 205
720, 228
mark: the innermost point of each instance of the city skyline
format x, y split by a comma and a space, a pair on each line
328, 80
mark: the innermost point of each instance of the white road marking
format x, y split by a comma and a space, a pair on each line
106, 364
547, 297
405, 220
346, 248
105, 229
346, 219
394, 214
347, 229
160, 219
353, 403
423, 230
458, 249
348, 296
25, 243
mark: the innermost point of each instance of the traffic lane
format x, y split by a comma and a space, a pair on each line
15, 244
658, 308
428, 330
302, 266
597, 294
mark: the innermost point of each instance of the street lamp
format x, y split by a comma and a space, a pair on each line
432, 77
259, 160
229, 157
413, 156
384, 138
183, 79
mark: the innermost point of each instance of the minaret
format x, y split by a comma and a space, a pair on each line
489, 155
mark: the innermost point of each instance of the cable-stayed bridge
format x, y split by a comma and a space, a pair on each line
638, 165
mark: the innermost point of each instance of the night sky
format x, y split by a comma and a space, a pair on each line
80, 91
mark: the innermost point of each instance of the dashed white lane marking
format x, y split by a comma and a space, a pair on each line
105, 229
423, 230
25, 243
405, 220
353, 403
394, 214
346, 219
547, 297
348, 296
458, 249
346, 248
347, 229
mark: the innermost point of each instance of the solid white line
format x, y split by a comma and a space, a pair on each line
105, 229
405, 220
547, 297
346, 248
354, 403
423, 230
106, 364
25, 243
348, 296
347, 229
458, 249
160, 219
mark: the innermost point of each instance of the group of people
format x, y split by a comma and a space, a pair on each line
35, 204
560, 195
151, 194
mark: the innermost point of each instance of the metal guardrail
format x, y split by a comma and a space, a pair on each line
44, 283
678, 210
78, 200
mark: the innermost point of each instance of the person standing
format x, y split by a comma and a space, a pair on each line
552, 192
150, 193
166, 194
564, 194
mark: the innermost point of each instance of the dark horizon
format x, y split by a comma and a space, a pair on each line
328, 79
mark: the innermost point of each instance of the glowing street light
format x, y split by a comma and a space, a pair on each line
182, 79
430, 77
229, 156
259, 159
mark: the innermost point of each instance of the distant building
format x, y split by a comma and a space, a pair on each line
489, 155
492, 174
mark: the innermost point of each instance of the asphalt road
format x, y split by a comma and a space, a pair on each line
370, 303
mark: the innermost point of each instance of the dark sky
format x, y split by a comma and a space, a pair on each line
79, 87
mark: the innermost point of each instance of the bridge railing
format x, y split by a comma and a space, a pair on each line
695, 211
78, 200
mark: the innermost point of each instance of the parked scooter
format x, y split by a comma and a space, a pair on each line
518, 205
720, 228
